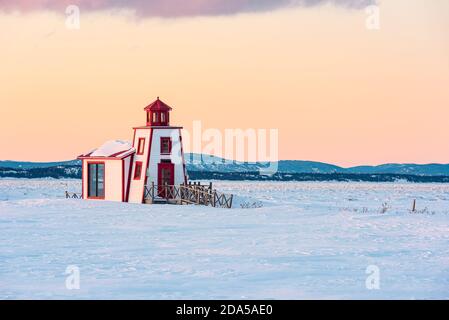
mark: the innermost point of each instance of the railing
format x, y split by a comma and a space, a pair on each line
188, 194
73, 195
182, 194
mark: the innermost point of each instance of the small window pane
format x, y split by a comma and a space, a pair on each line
165, 145
92, 187
100, 174
141, 146
138, 171
95, 188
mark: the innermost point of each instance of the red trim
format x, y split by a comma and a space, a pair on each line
123, 180
82, 156
104, 180
147, 165
169, 145
134, 137
129, 177
129, 155
104, 158
125, 191
140, 144
82, 180
114, 155
157, 127
138, 177
171, 168
157, 105
182, 155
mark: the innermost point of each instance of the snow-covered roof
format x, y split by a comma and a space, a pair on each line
111, 149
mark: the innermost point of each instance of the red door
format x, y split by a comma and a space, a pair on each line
165, 177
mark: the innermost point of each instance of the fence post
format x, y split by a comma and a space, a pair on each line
166, 190
152, 194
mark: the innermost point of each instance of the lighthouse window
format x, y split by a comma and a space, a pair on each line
162, 117
138, 171
95, 180
141, 146
155, 117
165, 145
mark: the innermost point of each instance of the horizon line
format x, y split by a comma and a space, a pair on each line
261, 162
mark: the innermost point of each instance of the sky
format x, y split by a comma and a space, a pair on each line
336, 91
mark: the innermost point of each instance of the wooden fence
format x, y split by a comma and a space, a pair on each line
188, 194
73, 195
183, 194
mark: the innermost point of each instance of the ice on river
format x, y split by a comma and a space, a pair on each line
301, 241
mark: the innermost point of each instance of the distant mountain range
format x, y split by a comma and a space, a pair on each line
207, 163
34, 165
196, 162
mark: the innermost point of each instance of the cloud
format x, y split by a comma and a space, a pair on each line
175, 8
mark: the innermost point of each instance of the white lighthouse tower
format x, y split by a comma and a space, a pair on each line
159, 157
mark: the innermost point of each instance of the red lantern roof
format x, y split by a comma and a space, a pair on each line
158, 105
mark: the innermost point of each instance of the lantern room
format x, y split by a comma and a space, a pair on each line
158, 113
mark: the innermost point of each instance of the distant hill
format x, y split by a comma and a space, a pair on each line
298, 166
196, 162
211, 167
31, 165
432, 169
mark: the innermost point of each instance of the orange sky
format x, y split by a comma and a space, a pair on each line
337, 92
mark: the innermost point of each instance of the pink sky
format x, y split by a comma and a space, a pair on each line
336, 91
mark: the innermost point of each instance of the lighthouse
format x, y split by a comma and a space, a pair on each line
121, 171
159, 157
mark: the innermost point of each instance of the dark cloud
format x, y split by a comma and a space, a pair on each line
176, 8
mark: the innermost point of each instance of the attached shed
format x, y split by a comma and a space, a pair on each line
106, 171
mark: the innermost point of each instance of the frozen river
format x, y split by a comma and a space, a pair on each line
302, 241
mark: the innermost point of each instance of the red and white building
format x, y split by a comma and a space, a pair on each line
119, 171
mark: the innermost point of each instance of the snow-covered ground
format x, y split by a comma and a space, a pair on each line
309, 240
